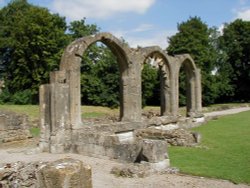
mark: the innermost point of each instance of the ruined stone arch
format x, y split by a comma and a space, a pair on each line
71, 63
163, 63
71, 56
60, 103
193, 84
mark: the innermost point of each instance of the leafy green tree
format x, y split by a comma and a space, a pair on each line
150, 86
78, 29
31, 44
194, 37
100, 77
235, 42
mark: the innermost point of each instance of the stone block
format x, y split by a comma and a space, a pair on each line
65, 173
154, 150
127, 151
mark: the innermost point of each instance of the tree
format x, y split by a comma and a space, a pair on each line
31, 43
150, 86
194, 37
235, 42
78, 29
100, 77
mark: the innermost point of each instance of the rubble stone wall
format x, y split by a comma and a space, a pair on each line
13, 127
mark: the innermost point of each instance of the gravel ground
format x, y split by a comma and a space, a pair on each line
101, 168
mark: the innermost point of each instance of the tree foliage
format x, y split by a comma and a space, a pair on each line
235, 42
100, 77
150, 86
31, 43
194, 37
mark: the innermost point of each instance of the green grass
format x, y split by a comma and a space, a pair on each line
93, 115
31, 110
224, 151
35, 131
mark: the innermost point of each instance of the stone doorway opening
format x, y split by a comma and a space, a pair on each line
160, 64
101, 83
150, 88
188, 86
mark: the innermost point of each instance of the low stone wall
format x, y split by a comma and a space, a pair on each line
13, 127
111, 146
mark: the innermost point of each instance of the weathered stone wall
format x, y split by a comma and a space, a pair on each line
13, 127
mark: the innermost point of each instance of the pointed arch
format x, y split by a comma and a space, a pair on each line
164, 64
193, 84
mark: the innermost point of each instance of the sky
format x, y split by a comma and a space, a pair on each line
146, 22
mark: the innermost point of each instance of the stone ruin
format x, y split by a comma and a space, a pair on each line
13, 127
62, 173
132, 139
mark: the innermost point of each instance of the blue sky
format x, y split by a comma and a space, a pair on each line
146, 22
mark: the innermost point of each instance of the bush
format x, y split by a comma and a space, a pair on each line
22, 97
5, 96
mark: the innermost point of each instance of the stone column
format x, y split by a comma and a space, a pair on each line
45, 117
174, 77
74, 81
60, 122
190, 93
131, 81
198, 91
165, 91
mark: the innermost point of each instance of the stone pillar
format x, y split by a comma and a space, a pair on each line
74, 79
60, 122
131, 81
65, 173
45, 117
190, 93
165, 91
198, 91
131, 100
174, 77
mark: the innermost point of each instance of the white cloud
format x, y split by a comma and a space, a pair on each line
243, 14
143, 27
77, 9
158, 38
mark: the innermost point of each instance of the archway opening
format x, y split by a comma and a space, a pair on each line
150, 89
186, 88
101, 84
155, 85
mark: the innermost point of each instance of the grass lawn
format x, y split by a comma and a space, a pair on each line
87, 111
31, 110
223, 153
